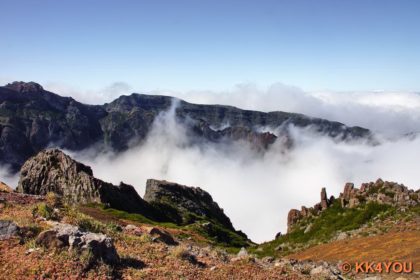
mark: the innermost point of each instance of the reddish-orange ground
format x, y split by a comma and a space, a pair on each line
393, 246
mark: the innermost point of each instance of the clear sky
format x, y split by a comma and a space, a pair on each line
212, 44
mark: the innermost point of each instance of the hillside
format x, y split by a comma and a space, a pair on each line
380, 221
62, 225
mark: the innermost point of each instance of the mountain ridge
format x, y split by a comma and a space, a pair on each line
32, 119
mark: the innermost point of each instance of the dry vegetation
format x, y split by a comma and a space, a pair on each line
392, 238
140, 257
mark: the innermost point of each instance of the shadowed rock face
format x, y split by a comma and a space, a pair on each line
181, 201
32, 119
54, 171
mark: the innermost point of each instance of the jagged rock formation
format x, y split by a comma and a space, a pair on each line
390, 193
32, 119
53, 171
296, 215
181, 201
382, 192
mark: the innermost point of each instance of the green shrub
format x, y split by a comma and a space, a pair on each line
45, 211
85, 222
328, 223
373, 190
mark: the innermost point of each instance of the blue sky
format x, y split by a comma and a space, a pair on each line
184, 45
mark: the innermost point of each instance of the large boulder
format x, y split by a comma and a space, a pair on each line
53, 171
161, 236
99, 245
8, 229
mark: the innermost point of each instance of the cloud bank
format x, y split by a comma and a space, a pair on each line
257, 191
386, 112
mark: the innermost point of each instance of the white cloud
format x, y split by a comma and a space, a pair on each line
97, 97
389, 113
257, 191
8, 178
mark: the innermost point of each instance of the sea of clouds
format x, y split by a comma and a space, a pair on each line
257, 190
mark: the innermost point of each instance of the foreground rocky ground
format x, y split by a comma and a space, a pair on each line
142, 251
63, 223
146, 251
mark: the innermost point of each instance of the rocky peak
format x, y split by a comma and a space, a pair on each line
181, 201
25, 86
54, 171
324, 199
382, 192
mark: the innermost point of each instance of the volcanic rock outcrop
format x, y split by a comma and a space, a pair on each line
295, 215
53, 171
192, 205
182, 201
382, 192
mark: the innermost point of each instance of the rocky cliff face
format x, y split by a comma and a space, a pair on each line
54, 171
382, 192
32, 119
182, 201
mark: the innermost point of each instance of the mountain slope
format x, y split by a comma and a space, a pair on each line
362, 215
32, 119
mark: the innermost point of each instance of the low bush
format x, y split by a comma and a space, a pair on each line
85, 222
45, 211
52, 199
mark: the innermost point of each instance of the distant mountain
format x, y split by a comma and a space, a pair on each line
32, 119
